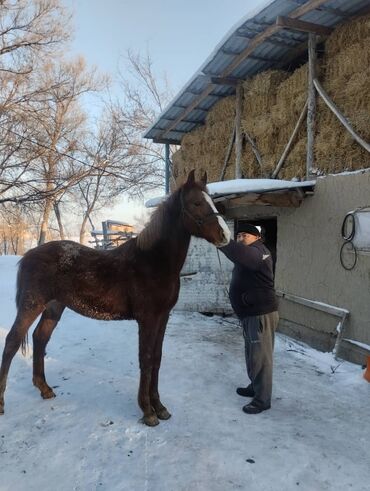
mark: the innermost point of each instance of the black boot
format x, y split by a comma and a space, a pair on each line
245, 391
254, 408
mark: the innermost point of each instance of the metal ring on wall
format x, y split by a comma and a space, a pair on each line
349, 226
348, 255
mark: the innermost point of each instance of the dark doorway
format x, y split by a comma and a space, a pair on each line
268, 232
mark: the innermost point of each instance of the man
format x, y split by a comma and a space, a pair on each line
253, 298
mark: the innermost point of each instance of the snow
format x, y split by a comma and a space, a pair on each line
238, 186
315, 437
253, 186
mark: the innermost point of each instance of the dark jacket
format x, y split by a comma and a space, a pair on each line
252, 284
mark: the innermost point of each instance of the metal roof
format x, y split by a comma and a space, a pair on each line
253, 45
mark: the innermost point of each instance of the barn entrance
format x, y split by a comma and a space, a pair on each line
268, 232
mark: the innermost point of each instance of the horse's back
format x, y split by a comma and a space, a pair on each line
113, 284
59, 269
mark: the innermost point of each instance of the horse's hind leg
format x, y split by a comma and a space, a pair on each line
148, 329
41, 336
16, 335
158, 407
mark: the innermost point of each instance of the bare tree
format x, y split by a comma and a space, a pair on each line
30, 32
29, 29
144, 97
58, 125
14, 231
127, 163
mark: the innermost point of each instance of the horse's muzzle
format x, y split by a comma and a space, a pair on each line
225, 240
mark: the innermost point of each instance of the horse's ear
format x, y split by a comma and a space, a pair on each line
204, 179
191, 178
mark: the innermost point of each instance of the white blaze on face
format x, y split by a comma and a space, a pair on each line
221, 221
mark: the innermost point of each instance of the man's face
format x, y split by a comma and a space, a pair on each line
246, 238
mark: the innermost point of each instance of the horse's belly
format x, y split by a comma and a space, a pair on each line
98, 311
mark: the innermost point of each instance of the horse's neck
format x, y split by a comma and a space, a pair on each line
175, 249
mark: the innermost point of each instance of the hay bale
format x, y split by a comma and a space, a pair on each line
260, 92
342, 66
295, 164
222, 111
348, 34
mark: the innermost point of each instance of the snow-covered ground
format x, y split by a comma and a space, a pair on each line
315, 437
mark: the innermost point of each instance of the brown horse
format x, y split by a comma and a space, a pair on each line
138, 280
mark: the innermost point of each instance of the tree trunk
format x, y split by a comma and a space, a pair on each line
45, 222
83, 225
59, 220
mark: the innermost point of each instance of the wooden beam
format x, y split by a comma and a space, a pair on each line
232, 81
252, 45
264, 59
340, 116
300, 25
307, 7
256, 41
287, 199
284, 199
255, 150
238, 131
228, 153
323, 307
311, 108
289, 144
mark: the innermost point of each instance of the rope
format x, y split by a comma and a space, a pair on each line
222, 273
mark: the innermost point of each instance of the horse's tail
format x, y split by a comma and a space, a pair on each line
18, 286
24, 342
24, 345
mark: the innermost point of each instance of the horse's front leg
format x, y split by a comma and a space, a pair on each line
148, 330
158, 407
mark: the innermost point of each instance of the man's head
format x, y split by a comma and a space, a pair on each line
248, 233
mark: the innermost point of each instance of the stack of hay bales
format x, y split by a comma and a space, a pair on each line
204, 149
346, 79
290, 100
260, 94
273, 101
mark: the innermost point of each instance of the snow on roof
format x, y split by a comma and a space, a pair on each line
243, 186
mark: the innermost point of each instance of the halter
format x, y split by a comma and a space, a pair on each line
199, 221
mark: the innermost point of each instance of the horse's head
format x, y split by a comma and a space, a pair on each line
200, 215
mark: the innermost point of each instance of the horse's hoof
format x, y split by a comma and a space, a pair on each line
48, 394
151, 420
1, 410
163, 414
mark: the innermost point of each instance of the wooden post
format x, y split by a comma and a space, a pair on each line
289, 144
254, 149
311, 109
238, 131
167, 169
228, 153
340, 116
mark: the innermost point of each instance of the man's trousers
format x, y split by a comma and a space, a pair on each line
259, 336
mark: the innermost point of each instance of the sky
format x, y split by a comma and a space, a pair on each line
179, 36
315, 437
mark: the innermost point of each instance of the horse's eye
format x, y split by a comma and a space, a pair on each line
198, 203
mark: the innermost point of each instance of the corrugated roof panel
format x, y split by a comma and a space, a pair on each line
266, 55
185, 127
249, 67
235, 44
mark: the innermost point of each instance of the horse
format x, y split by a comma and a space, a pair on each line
138, 280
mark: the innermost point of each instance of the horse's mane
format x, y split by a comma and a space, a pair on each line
160, 222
